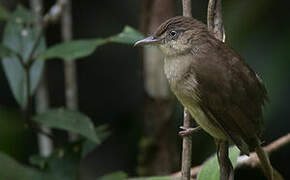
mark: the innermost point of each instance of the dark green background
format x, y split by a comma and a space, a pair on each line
111, 82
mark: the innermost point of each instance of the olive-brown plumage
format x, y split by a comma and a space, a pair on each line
220, 90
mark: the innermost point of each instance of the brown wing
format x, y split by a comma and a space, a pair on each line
232, 93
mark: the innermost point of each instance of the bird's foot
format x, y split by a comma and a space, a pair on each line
188, 131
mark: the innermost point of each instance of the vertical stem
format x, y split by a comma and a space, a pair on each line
186, 148
186, 4
214, 19
69, 66
27, 109
45, 144
186, 144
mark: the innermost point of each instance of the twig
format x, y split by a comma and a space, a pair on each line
186, 4
186, 148
27, 108
42, 100
187, 143
53, 15
55, 12
69, 66
251, 160
214, 19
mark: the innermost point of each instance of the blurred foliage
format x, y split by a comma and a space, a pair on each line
68, 120
4, 14
210, 169
12, 170
154, 178
13, 135
114, 176
20, 51
20, 37
81, 48
5, 51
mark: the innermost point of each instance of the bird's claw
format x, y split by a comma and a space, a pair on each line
188, 131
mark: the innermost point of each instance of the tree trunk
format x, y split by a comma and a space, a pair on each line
158, 148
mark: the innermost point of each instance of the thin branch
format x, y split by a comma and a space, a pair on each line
69, 66
186, 4
55, 12
186, 148
187, 142
27, 108
41, 100
45, 144
251, 160
52, 16
278, 144
214, 19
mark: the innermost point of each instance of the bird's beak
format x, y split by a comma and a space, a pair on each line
146, 41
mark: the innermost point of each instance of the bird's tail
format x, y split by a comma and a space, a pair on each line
265, 162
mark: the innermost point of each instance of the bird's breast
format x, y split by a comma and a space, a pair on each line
183, 83
180, 76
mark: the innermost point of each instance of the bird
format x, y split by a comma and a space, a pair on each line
220, 90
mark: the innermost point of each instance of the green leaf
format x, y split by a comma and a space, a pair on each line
210, 169
88, 145
38, 161
12, 170
22, 16
69, 120
5, 51
81, 48
128, 36
20, 37
63, 164
73, 49
114, 176
4, 14
155, 178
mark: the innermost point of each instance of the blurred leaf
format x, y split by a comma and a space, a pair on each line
20, 38
154, 178
88, 146
210, 169
102, 132
73, 49
69, 120
5, 51
128, 36
81, 48
114, 176
4, 14
38, 161
22, 16
12, 170
64, 164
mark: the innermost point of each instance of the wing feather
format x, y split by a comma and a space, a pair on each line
231, 94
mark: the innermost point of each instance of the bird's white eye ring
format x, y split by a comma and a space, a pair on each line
173, 33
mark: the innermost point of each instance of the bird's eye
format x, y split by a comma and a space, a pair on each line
173, 33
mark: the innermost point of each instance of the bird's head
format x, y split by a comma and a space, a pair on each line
175, 36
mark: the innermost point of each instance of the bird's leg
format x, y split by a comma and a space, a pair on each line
188, 131
226, 168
